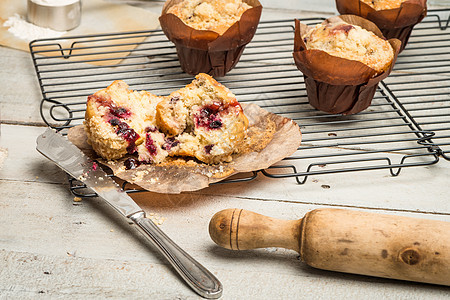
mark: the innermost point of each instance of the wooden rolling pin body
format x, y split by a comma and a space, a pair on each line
346, 241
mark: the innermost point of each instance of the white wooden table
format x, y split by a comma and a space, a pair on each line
53, 247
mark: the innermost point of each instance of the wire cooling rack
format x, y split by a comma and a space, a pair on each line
408, 123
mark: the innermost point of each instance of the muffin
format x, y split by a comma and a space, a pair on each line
206, 118
395, 18
202, 120
116, 119
210, 36
342, 61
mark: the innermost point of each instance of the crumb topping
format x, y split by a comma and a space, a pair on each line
351, 42
215, 15
384, 4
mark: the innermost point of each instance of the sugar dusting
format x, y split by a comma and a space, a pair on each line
157, 219
24, 30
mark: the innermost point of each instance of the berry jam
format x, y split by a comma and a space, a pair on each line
127, 133
342, 28
209, 115
151, 129
208, 149
114, 122
170, 142
150, 145
131, 163
120, 112
114, 110
215, 124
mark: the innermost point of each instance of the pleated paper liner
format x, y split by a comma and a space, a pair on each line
205, 51
393, 23
337, 85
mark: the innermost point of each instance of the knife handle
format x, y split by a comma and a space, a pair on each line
198, 277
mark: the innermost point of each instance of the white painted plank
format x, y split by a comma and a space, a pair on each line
20, 88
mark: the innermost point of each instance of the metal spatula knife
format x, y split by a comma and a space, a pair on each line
69, 158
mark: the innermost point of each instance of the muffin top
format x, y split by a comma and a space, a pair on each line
214, 15
383, 4
351, 42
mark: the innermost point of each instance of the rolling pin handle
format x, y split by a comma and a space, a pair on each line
239, 229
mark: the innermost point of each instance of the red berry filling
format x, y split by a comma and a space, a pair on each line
170, 142
151, 129
128, 134
114, 110
150, 145
120, 112
131, 163
209, 117
345, 28
208, 149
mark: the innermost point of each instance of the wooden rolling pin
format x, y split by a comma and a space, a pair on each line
346, 241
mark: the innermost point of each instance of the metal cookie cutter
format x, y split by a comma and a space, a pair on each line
60, 15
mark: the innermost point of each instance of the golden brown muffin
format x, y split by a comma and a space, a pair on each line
202, 120
214, 15
116, 119
351, 42
207, 118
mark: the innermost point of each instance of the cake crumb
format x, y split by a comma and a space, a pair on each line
156, 219
77, 199
139, 175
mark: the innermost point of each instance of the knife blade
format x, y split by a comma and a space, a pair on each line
73, 161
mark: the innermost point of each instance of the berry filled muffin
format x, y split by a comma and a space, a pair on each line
207, 118
117, 118
202, 120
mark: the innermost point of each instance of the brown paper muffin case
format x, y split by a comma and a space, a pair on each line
339, 99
